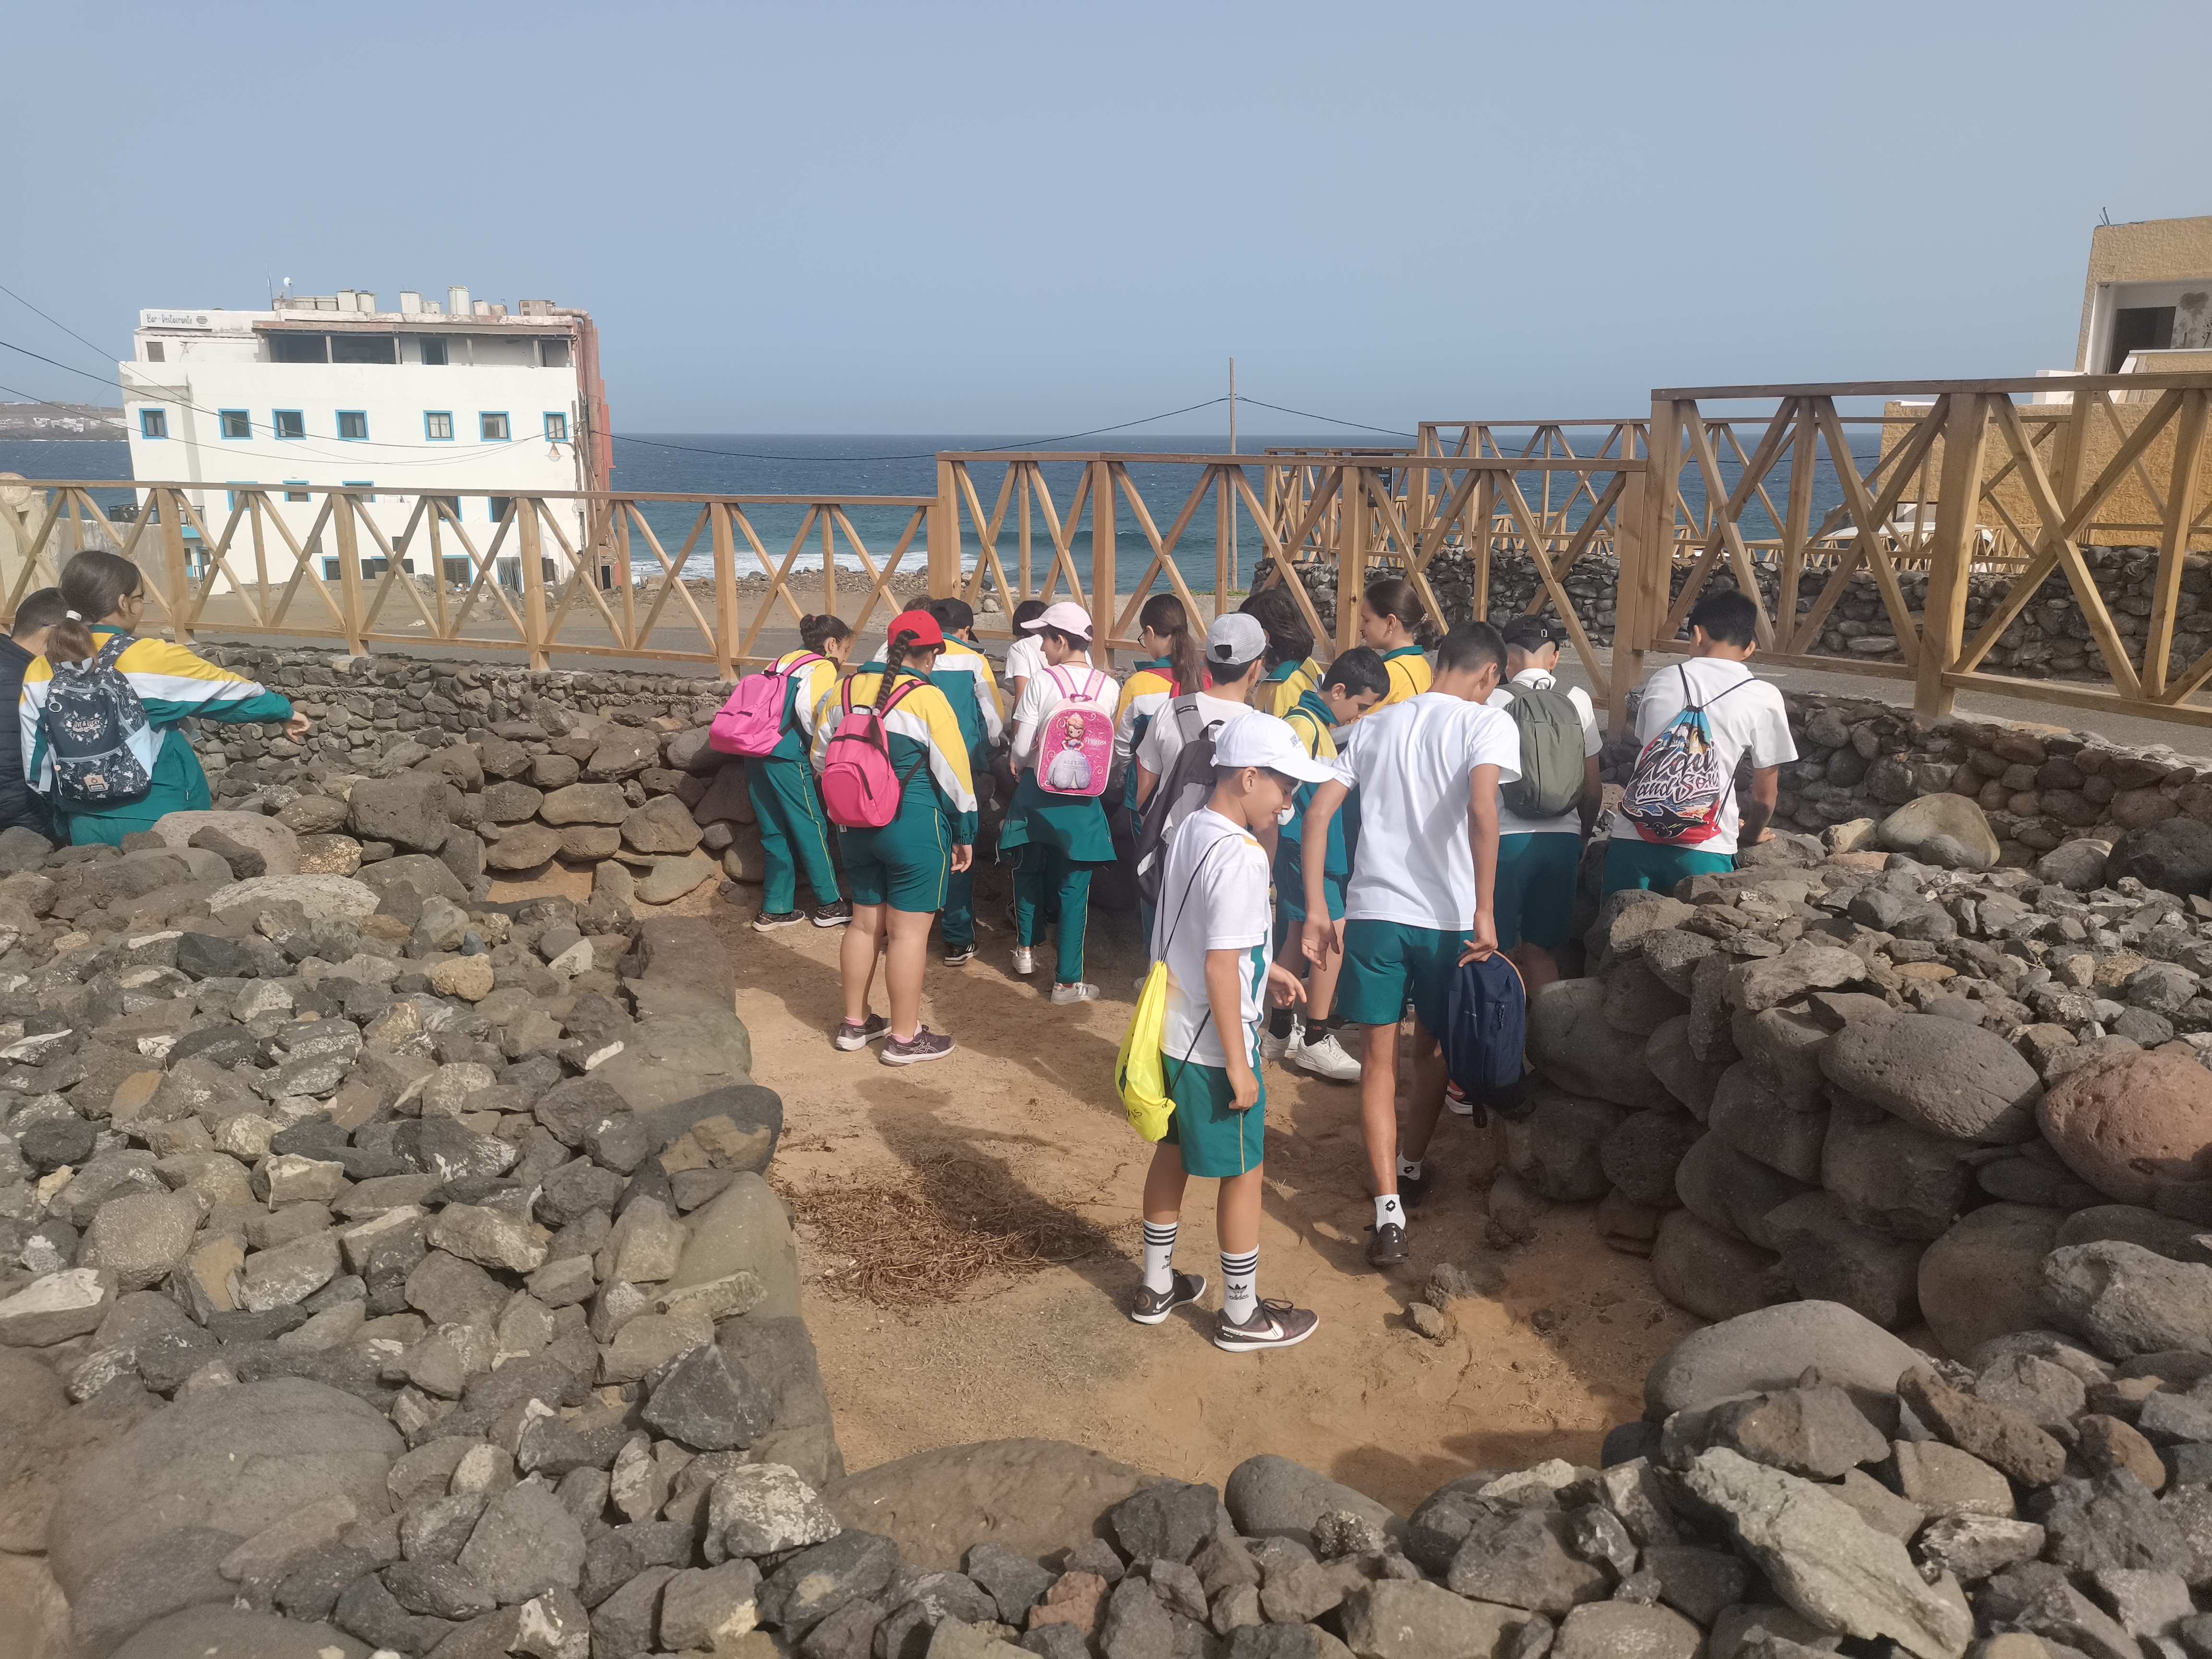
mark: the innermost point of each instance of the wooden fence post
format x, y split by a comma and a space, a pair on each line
533, 580
1958, 496
944, 535
1102, 576
1351, 552
342, 507
176, 579
726, 589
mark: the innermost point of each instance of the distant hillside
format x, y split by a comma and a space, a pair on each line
60, 420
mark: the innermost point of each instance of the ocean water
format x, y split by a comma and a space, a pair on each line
904, 465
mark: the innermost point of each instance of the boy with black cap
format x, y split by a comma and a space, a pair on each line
1539, 855
1212, 934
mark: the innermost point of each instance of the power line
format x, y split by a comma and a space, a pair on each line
920, 455
1326, 420
56, 321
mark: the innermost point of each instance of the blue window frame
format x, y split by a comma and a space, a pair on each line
153, 422
556, 426
491, 426
236, 423
360, 483
289, 423
353, 424
498, 504
296, 489
438, 425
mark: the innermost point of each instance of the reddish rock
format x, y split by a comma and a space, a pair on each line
1073, 1600
2107, 1443
2125, 1123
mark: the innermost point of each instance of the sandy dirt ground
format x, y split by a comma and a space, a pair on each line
1542, 1370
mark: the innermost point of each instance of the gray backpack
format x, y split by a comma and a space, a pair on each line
90, 714
1551, 730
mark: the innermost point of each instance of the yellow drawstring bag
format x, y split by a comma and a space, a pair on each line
1139, 1076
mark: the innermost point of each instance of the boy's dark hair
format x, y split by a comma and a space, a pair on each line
1028, 610
1289, 639
1730, 616
1469, 646
1073, 641
40, 610
1360, 669
953, 615
1531, 634
1223, 773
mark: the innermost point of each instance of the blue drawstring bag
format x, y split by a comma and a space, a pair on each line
1486, 1027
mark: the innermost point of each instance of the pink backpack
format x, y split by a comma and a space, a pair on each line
1075, 752
860, 786
751, 722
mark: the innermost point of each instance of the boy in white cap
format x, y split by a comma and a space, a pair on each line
1214, 931
1235, 649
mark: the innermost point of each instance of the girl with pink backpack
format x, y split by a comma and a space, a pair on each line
1055, 828
894, 780
794, 831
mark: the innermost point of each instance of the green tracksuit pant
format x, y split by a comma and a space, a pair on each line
794, 833
1044, 876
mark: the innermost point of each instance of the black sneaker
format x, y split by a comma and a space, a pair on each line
1272, 1325
1411, 1189
957, 956
1387, 1248
834, 915
1149, 1307
924, 1044
768, 920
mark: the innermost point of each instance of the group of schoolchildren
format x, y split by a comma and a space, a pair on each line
1336, 844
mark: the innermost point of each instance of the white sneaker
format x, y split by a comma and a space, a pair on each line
1279, 1048
1456, 1103
1326, 1059
1079, 992
1025, 960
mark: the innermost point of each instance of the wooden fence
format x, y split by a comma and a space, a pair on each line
1971, 467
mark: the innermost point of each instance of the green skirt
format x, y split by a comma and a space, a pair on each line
1075, 825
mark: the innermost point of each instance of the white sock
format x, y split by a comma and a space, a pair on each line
1409, 1168
1388, 1211
1159, 1256
1240, 1276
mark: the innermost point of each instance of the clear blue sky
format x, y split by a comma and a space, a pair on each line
967, 217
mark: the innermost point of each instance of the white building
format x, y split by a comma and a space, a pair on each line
329, 391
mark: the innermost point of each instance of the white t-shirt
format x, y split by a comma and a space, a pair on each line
1163, 739
1750, 718
1042, 694
1568, 823
1411, 762
1226, 910
1024, 660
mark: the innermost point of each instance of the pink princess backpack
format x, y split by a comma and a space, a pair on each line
1075, 752
751, 722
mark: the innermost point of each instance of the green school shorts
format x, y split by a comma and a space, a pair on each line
1387, 964
904, 865
1535, 889
1217, 1140
1632, 861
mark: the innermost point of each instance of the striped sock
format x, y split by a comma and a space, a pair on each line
1159, 1256
1240, 1277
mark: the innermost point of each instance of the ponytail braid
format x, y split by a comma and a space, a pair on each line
894, 657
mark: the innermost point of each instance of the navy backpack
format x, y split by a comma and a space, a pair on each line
1486, 1024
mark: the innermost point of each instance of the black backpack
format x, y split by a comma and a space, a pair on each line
90, 716
1185, 786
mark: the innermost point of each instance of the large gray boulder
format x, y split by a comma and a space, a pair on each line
1033, 1496
235, 1633
1272, 1497
234, 1459
1571, 1043
1983, 1278
1761, 1352
2127, 1300
1823, 1558
1940, 1075
1555, 1150
2174, 856
1710, 1273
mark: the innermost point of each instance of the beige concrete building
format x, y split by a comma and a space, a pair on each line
2148, 294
